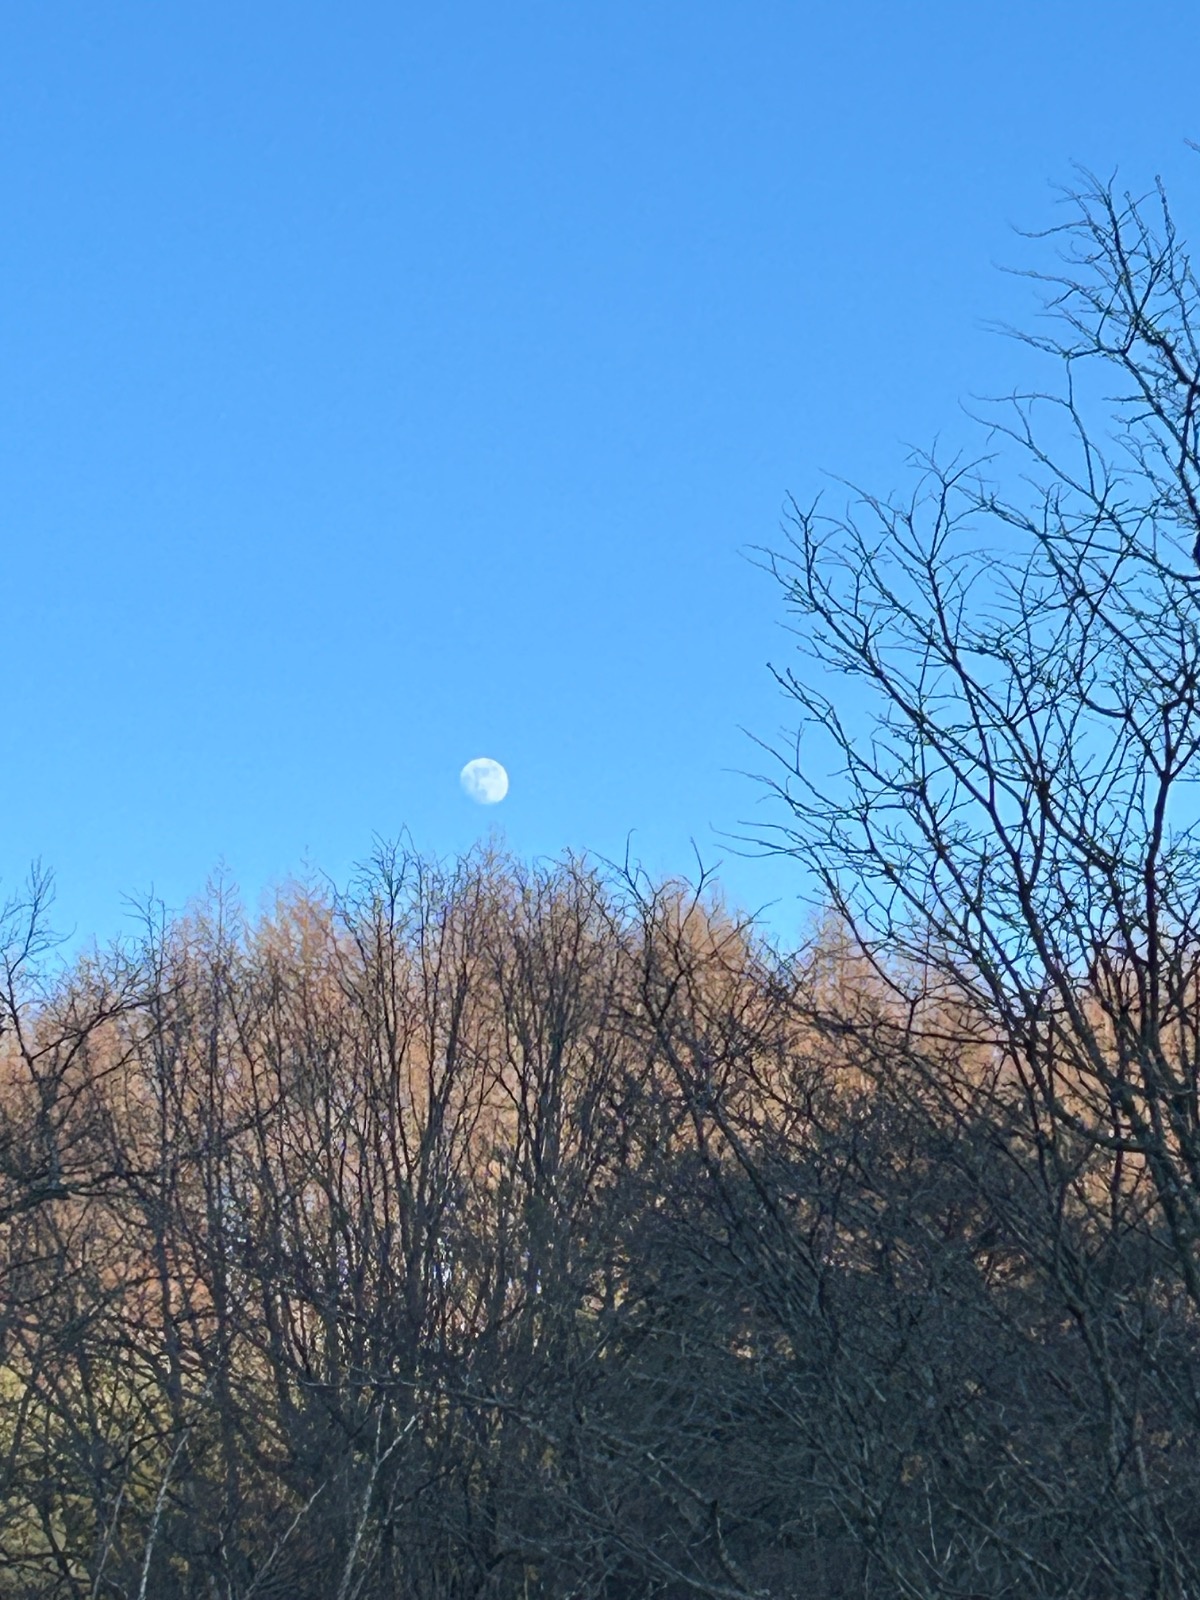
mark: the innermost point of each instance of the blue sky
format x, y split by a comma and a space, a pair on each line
385, 386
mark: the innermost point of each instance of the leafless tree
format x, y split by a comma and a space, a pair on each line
1004, 687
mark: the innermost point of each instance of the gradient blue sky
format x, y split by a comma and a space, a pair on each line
385, 385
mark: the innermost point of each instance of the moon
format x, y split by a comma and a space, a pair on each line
484, 780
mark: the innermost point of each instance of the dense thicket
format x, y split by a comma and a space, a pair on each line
501, 1233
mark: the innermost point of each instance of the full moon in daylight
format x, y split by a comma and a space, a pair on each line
484, 780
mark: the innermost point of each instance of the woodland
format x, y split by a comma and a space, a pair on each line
481, 1230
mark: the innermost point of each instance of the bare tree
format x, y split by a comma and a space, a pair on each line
1005, 688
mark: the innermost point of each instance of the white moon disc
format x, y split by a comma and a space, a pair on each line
484, 780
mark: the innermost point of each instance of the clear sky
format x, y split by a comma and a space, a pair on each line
387, 385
